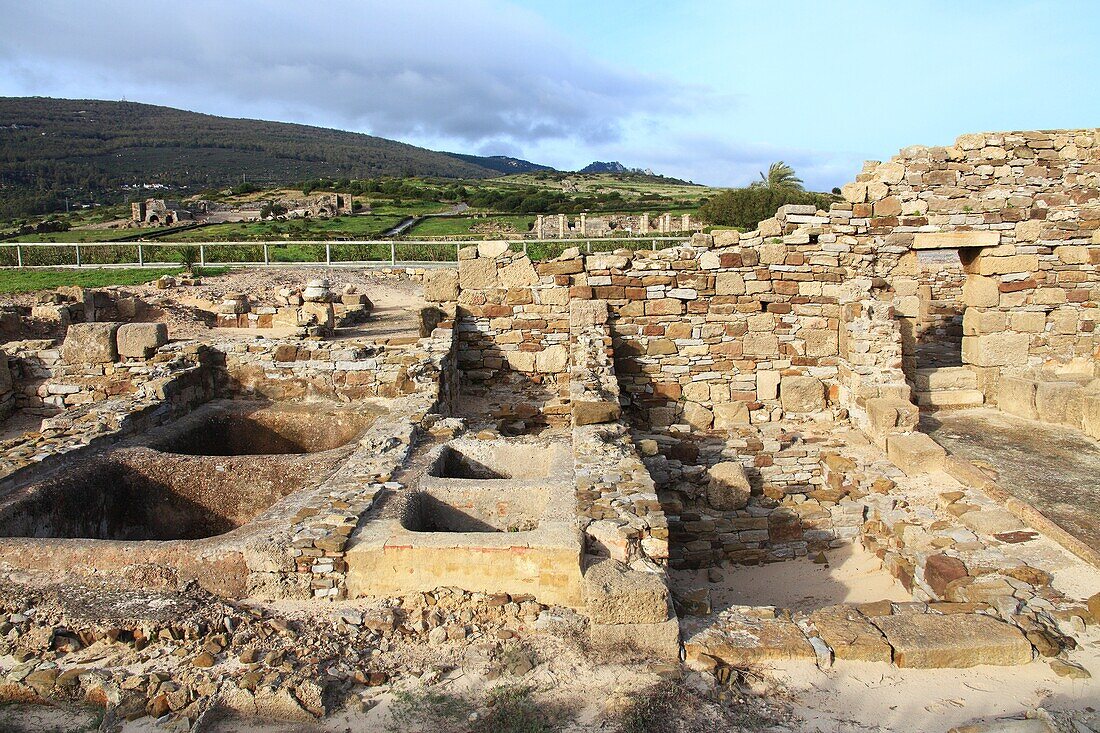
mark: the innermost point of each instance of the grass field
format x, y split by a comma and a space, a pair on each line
458, 226
76, 235
25, 281
367, 226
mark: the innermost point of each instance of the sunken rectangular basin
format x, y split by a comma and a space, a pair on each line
485, 516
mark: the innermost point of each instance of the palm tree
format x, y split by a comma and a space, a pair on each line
780, 177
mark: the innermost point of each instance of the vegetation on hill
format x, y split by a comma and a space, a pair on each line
87, 150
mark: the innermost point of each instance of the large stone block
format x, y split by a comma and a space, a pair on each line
980, 292
729, 415
591, 412
141, 340
729, 487
552, 360
319, 314
1060, 403
996, 349
659, 640
492, 250
587, 313
698, 416
956, 240
90, 343
915, 453
888, 415
1004, 265
850, 635
729, 283
934, 641
1016, 396
615, 594
477, 274
802, 394
518, 274
441, 285
821, 343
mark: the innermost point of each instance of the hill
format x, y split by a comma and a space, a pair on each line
502, 164
599, 166
88, 150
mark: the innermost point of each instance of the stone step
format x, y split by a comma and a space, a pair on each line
937, 378
950, 398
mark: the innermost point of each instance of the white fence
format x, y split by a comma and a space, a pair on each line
289, 254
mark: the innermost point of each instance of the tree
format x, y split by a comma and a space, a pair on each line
780, 177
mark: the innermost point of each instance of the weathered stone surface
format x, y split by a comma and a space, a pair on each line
477, 274
441, 285
590, 412
518, 274
90, 343
932, 641
800, 394
915, 453
141, 340
850, 635
1016, 396
729, 487
939, 570
698, 416
956, 240
552, 360
659, 640
587, 313
996, 349
491, 250
991, 521
745, 642
729, 415
615, 594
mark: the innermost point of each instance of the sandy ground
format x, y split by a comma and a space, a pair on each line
852, 575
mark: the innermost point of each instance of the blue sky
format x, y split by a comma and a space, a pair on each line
710, 91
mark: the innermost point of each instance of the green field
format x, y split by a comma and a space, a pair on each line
25, 281
76, 235
368, 226
459, 226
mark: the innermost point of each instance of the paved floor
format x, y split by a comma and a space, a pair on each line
1055, 469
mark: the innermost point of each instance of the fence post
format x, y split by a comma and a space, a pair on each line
19, 254
393, 253
78, 255
202, 256
328, 253
266, 262
525, 248
589, 245
457, 248
141, 256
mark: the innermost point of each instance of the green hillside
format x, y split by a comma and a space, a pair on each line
87, 150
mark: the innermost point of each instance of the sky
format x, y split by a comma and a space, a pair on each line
707, 91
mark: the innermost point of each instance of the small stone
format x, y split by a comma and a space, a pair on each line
203, 659
1069, 669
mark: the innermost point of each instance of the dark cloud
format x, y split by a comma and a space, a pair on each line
427, 69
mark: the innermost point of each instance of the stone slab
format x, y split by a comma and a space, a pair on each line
932, 641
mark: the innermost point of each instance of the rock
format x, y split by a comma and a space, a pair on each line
203, 659
800, 394
518, 274
991, 521
932, 641
748, 641
552, 360
591, 412
587, 312
729, 487
90, 343
915, 453
1073, 671
141, 340
477, 274
850, 635
615, 594
437, 636
729, 415
1093, 605
939, 570
695, 602
491, 250
698, 416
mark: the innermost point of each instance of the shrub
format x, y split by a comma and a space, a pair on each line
747, 207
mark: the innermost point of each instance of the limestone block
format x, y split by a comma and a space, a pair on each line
978, 321
141, 340
991, 521
940, 569
749, 642
934, 641
552, 359
615, 594
802, 394
1016, 396
850, 635
658, 641
855, 193
1025, 321
1028, 231
1073, 255
441, 285
915, 453
890, 414
592, 412
1007, 348
726, 237
1003, 265
518, 274
698, 416
729, 415
697, 392
587, 313
767, 385
520, 361
320, 314
729, 487
760, 344
821, 342
956, 240
1090, 409
477, 274
606, 261
492, 250
773, 253
1060, 403
90, 343
980, 292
